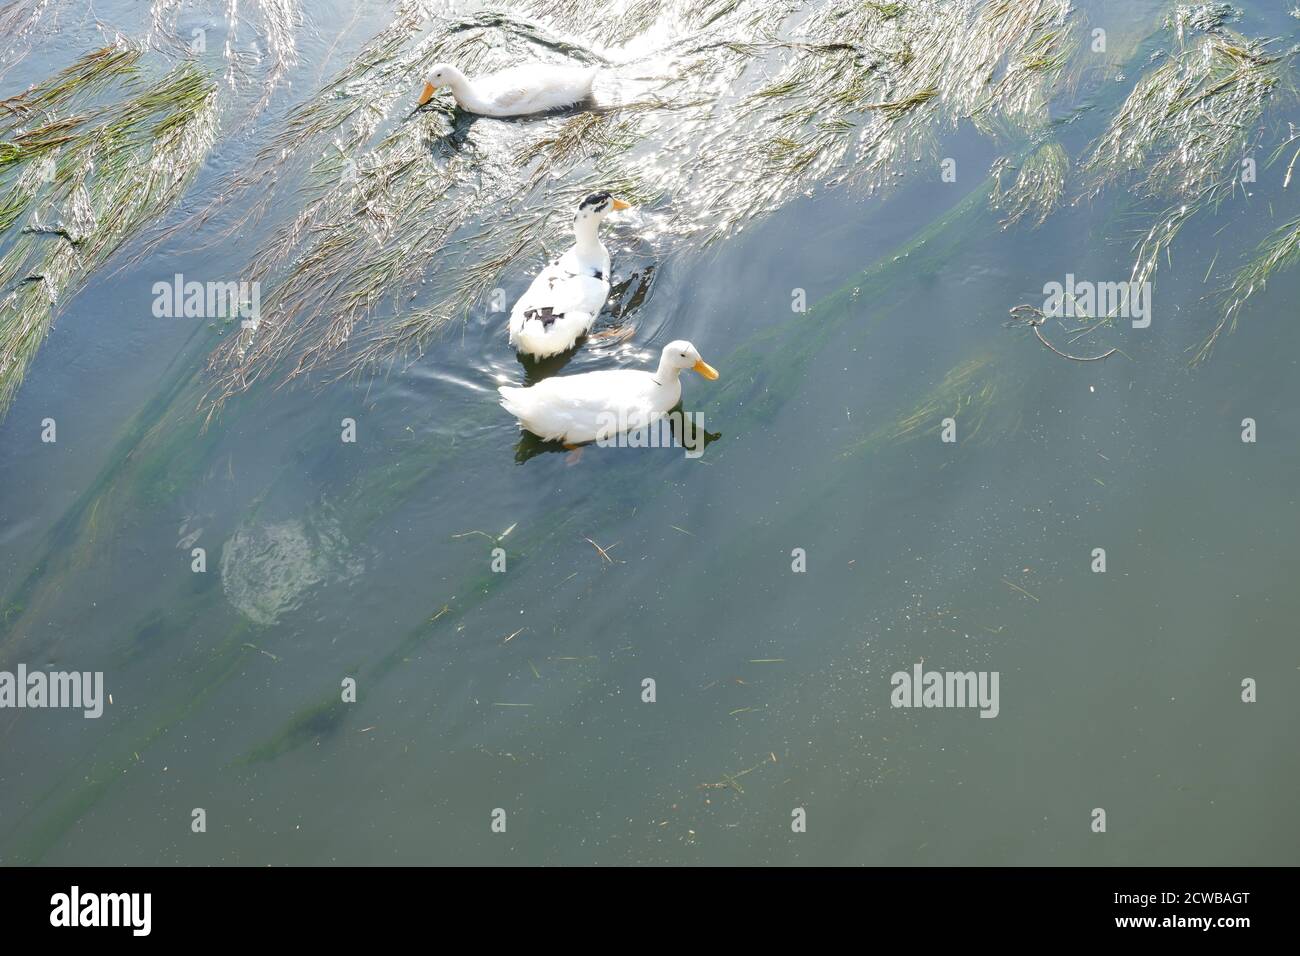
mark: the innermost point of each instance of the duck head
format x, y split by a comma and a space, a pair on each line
443, 74
681, 355
597, 206
588, 218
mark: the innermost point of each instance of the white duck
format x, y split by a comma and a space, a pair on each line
592, 405
517, 91
565, 298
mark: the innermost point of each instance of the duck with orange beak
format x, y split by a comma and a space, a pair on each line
517, 91
598, 405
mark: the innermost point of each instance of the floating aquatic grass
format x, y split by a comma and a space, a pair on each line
84, 77
1281, 250
1039, 185
22, 22
258, 46
964, 389
1187, 116
77, 180
1180, 135
759, 105
1199, 17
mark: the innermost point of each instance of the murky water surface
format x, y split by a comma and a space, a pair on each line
912, 171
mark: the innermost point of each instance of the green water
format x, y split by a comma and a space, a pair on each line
522, 691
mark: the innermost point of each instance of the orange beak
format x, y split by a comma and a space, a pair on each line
705, 369
619, 204
427, 94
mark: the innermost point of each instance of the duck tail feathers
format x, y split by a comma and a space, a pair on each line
510, 398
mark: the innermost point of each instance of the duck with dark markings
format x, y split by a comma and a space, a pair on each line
565, 298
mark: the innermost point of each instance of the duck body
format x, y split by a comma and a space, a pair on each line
560, 305
582, 408
564, 299
597, 405
516, 91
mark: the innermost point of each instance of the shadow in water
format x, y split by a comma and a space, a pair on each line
624, 299
537, 369
530, 446
462, 122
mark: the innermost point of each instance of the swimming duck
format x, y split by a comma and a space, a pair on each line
582, 408
565, 298
517, 91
